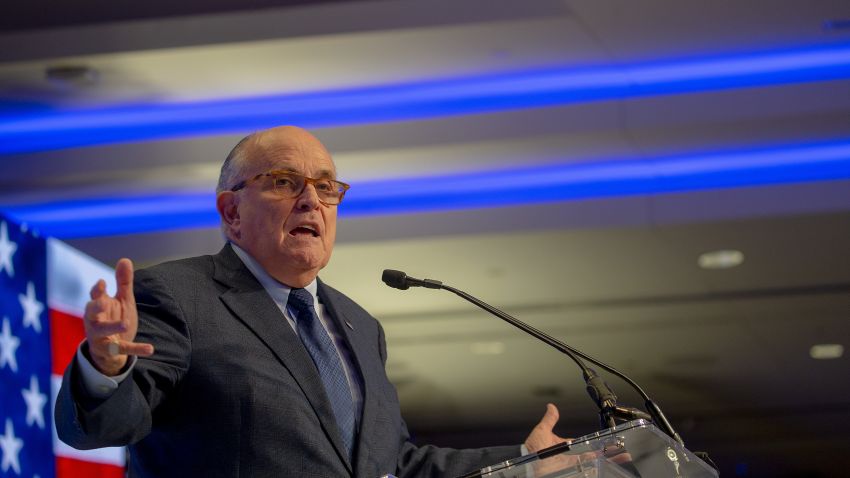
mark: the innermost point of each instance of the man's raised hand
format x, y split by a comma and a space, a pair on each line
111, 323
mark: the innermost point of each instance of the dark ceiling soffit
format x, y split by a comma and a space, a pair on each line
236, 21
23, 16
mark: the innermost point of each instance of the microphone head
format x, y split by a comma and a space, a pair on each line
395, 279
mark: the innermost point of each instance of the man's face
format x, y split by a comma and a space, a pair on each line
292, 238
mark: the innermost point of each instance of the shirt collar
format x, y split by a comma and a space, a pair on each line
276, 289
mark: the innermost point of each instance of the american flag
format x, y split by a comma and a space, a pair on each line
43, 290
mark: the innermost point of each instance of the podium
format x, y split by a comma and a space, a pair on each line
632, 449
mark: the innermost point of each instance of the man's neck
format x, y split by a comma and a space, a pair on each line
291, 279
295, 280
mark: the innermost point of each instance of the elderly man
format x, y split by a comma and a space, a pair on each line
244, 363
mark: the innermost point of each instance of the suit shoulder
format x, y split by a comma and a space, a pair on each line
189, 266
188, 277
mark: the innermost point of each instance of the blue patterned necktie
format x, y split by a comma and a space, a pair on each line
321, 348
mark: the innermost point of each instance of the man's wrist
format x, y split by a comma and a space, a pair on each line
96, 383
118, 369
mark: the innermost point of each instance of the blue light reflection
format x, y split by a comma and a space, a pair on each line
55, 129
484, 189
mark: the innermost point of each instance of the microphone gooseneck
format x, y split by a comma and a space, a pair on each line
596, 387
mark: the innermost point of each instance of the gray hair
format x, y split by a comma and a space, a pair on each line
232, 169
234, 165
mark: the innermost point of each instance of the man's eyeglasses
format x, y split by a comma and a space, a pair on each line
290, 185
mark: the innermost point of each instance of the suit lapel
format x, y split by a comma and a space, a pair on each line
251, 304
361, 346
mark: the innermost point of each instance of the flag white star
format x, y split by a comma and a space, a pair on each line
7, 250
11, 446
35, 403
32, 308
8, 346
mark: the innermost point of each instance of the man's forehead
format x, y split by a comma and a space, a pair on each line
288, 138
292, 153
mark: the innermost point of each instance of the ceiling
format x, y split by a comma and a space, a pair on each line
725, 352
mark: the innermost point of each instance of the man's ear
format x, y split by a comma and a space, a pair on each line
227, 203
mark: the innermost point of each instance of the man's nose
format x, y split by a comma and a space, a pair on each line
309, 198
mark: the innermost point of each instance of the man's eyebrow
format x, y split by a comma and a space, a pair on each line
324, 173
327, 173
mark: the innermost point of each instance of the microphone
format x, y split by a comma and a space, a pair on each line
596, 387
400, 280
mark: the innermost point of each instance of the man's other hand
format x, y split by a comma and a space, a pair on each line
542, 435
111, 323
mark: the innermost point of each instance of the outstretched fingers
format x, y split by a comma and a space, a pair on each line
104, 317
123, 347
98, 290
124, 280
111, 323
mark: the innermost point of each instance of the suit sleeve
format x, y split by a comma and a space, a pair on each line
126, 416
429, 461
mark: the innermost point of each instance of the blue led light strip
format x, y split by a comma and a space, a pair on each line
552, 183
56, 129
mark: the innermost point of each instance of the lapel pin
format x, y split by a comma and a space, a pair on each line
349, 325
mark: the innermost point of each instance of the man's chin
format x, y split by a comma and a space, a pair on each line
304, 261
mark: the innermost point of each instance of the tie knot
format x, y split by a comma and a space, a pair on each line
301, 300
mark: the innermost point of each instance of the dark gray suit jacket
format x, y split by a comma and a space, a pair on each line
231, 391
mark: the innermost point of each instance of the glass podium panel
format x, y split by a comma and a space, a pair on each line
632, 449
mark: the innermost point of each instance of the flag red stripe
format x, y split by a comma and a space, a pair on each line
71, 468
66, 333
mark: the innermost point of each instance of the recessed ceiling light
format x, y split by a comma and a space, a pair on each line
71, 75
547, 391
826, 351
722, 259
487, 348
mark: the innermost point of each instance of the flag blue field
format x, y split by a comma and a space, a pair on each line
43, 285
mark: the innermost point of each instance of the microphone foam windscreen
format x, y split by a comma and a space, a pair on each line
395, 279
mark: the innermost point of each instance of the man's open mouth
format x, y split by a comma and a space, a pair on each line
304, 230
